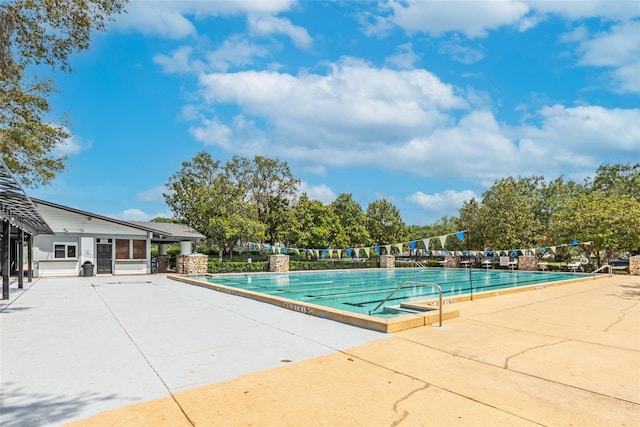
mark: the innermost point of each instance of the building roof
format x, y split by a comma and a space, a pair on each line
162, 232
170, 232
16, 207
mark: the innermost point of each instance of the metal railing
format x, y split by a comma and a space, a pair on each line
433, 285
607, 266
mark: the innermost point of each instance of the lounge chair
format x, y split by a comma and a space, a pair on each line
574, 266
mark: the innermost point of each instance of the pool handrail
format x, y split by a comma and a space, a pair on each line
414, 283
607, 266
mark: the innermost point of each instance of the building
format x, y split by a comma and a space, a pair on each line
84, 243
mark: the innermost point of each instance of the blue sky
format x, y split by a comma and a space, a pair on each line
425, 103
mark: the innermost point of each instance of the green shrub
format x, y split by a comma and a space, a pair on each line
323, 265
214, 266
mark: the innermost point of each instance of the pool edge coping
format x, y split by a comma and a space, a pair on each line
385, 325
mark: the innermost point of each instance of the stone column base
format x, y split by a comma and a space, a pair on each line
634, 265
387, 261
163, 263
528, 263
451, 262
191, 264
279, 263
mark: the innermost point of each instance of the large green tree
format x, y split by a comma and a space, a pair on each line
270, 187
609, 221
352, 219
33, 33
314, 225
202, 195
384, 223
508, 216
617, 179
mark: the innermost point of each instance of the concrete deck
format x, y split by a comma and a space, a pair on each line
145, 350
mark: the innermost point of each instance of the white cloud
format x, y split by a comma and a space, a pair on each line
442, 203
459, 52
70, 146
178, 62
618, 49
410, 121
153, 194
235, 52
268, 24
404, 58
132, 214
170, 19
438, 17
317, 192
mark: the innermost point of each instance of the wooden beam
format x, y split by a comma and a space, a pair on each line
30, 258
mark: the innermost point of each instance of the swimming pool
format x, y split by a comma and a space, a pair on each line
361, 291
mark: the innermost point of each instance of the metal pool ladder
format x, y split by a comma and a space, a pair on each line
607, 266
433, 285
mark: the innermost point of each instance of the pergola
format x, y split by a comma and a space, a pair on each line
20, 219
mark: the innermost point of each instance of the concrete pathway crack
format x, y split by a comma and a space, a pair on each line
189, 420
622, 316
405, 414
506, 361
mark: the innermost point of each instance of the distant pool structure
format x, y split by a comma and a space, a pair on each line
358, 296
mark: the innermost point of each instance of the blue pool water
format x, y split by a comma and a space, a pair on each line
360, 291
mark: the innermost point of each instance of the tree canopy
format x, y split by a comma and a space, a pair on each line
33, 33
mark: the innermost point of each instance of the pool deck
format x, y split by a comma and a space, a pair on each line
149, 351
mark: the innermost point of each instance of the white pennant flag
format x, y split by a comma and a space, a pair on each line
399, 246
426, 243
366, 251
388, 247
330, 253
442, 240
357, 252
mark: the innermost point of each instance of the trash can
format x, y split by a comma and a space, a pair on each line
87, 269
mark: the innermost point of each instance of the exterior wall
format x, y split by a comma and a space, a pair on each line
279, 263
528, 263
387, 261
83, 231
191, 264
634, 265
451, 262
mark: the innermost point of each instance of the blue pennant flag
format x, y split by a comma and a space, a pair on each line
412, 245
377, 248
348, 252
324, 253
284, 250
460, 235
543, 249
574, 242
490, 253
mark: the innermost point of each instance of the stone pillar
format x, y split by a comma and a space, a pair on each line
634, 265
191, 264
528, 263
451, 262
387, 261
278, 263
163, 263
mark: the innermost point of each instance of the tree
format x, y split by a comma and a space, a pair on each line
509, 219
610, 222
352, 219
314, 225
203, 195
617, 180
384, 223
32, 33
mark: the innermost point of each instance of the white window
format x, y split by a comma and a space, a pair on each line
65, 250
